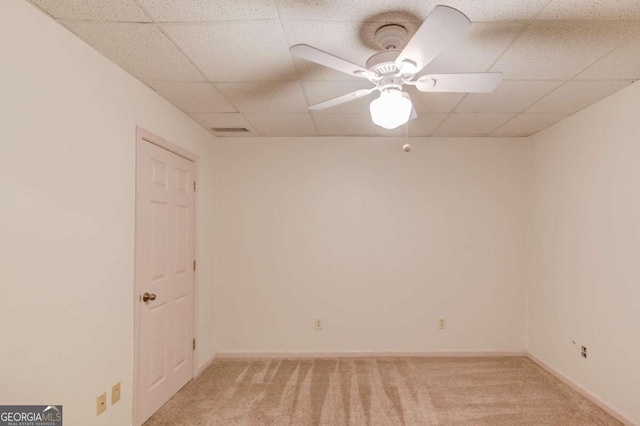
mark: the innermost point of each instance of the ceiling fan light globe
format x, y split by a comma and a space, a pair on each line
392, 109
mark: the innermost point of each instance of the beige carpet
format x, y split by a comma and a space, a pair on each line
378, 391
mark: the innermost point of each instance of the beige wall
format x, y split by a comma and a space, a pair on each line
67, 143
585, 235
377, 242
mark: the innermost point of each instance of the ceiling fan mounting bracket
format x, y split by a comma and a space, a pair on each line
391, 36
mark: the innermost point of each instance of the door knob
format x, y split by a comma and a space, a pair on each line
148, 296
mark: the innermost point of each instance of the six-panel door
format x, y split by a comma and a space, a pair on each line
165, 256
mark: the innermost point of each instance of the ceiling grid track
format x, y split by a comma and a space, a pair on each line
195, 65
298, 79
524, 28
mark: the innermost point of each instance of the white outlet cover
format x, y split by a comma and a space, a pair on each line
442, 323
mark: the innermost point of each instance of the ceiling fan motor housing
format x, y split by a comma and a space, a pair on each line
384, 62
390, 38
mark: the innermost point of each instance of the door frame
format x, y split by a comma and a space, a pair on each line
143, 135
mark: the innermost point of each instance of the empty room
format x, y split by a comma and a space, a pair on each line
319, 212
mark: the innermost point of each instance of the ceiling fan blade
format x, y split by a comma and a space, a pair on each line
481, 82
328, 60
342, 99
443, 26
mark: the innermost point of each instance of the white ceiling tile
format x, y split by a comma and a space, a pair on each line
477, 50
459, 124
528, 124
560, 50
207, 10
576, 95
592, 9
433, 102
275, 97
192, 97
423, 125
510, 96
319, 91
621, 64
493, 10
236, 51
340, 10
140, 49
344, 124
210, 120
282, 124
95, 10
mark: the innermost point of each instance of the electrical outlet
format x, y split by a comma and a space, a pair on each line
442, 323
318, 324
583, 351
115, 393
101, 404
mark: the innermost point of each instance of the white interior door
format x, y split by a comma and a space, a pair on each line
165, 254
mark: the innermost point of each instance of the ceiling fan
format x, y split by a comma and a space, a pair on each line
392, 68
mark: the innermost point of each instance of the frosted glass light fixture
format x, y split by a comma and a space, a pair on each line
391, 109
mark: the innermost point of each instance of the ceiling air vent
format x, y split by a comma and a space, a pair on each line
230, 129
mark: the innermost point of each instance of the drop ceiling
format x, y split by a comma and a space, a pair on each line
226, 62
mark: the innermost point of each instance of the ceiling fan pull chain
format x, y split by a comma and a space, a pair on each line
406, 147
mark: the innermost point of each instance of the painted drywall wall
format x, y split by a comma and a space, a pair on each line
376, 242
67, 155
585, 240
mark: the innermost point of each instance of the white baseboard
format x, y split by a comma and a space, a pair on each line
361, 354
205, 365
582, 391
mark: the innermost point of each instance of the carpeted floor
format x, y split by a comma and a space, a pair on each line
378, 391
